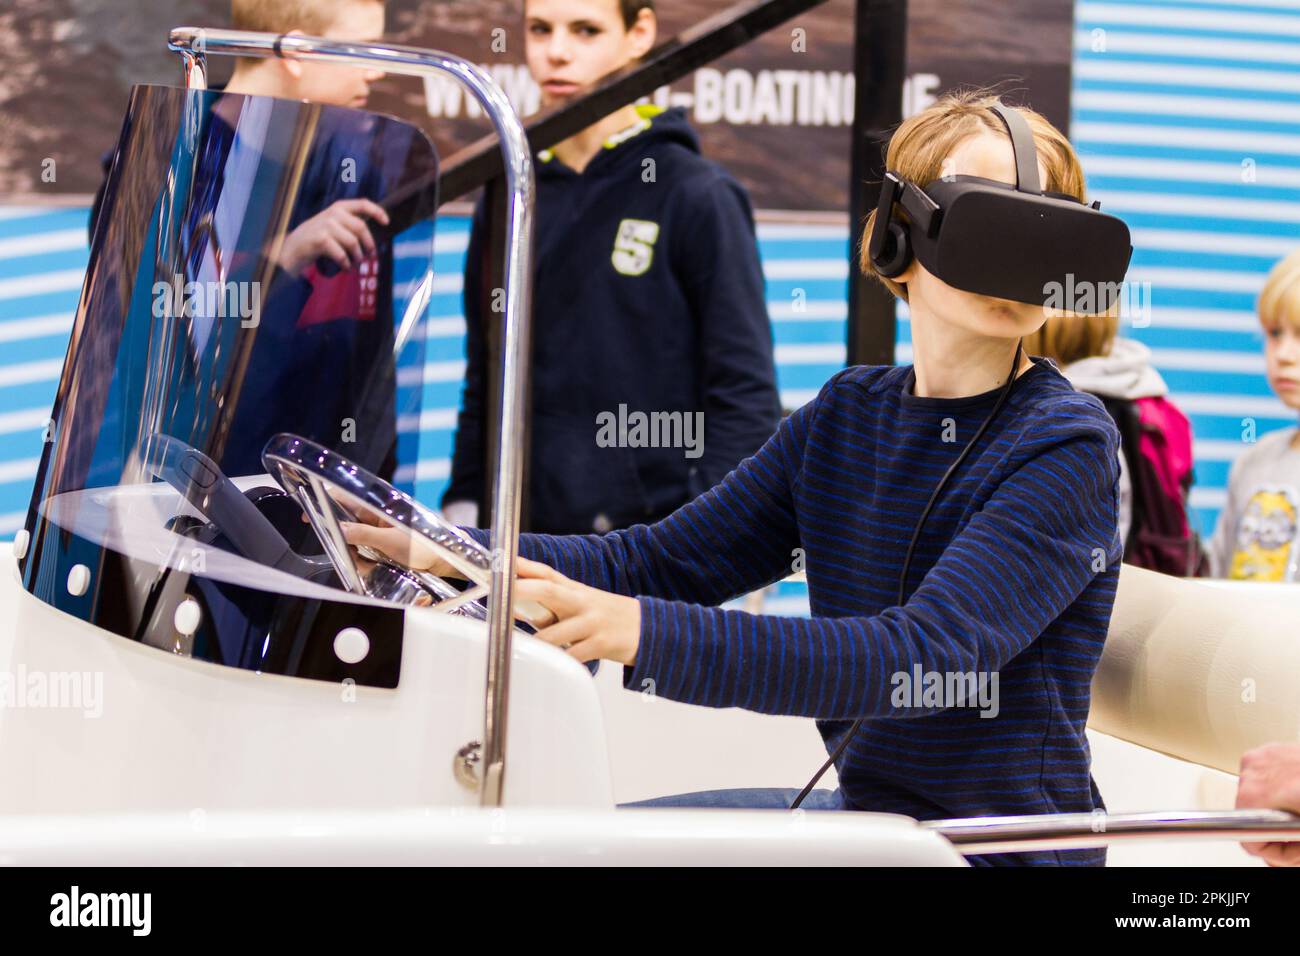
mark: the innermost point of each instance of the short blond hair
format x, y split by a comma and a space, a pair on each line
922, 142
1279, 300
312, 17
1071, 337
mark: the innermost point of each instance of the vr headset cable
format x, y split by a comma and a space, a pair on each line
907, 559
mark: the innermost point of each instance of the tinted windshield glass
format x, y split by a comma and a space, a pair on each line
251, 268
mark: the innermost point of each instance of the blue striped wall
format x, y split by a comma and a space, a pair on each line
1186, 114
42, 263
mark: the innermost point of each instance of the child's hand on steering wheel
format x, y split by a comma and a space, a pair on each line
397, 544
587, 622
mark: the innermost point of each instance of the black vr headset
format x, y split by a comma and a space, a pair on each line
1011, 242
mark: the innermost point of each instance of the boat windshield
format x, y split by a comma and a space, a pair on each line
259, 267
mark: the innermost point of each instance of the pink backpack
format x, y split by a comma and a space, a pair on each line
1157, 442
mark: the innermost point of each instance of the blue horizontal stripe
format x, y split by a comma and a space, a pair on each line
1180, 59
1229, 7
1261, 192
1228, 125
1156, 87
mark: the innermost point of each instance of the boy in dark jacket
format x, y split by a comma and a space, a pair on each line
326, 323
653, 373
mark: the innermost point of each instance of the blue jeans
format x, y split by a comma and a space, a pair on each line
748, 798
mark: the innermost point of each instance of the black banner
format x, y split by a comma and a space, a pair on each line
777, 112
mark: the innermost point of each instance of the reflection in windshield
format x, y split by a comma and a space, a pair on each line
241, 284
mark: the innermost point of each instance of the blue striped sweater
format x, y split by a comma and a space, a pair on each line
1012, 582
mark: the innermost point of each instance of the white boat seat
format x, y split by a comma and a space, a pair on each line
1200, 670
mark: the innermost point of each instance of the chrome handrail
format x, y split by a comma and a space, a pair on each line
1081, 830
193, 44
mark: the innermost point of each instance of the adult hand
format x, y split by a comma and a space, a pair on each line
1270, 778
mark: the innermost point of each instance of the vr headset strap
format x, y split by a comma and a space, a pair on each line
1022, 145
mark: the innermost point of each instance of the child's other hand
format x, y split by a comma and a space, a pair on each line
589, 623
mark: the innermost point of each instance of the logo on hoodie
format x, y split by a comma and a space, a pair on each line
634, 246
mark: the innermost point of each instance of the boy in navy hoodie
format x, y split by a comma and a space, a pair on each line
653, 373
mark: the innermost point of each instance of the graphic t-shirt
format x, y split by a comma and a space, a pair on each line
1258, 534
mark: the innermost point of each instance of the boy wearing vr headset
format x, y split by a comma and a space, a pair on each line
957, 517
